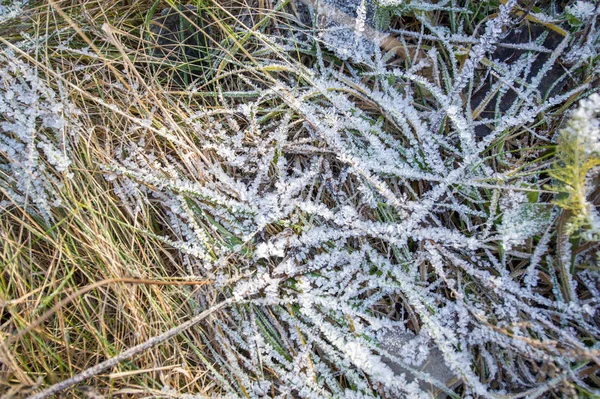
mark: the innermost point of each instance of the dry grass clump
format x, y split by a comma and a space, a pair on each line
93, 238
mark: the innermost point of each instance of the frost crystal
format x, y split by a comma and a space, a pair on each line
584, 125
29, 157
520, 220
582, 10
11, 9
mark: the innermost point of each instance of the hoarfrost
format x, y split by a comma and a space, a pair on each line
35, 162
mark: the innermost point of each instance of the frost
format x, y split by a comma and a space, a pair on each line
361, 17
390, 3
30, 157
13, 9
582, 10
369, 363
584, 125
344, 29
520, 221
577, 167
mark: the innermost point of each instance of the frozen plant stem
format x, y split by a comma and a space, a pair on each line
129, 353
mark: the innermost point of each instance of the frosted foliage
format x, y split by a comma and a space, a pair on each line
11, 9
343, 25
582, 133
36, 163
582, 10
584, 126
390, 3
330, 213
520, 220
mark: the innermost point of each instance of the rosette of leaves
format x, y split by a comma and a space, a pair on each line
577, 158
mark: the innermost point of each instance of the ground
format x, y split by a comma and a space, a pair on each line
292, 199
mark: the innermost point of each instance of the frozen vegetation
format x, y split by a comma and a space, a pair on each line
397, 199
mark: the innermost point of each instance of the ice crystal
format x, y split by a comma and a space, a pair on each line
35, 161
582, 10
11, 9
584, 125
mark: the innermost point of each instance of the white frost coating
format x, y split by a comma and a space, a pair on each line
11, 10
268, 249
584, 125
520, 219
368, 362
29, 110
361, 17
582, 10
390, 3
583, 132
55, 157
254, 285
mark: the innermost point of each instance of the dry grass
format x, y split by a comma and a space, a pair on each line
94, 238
